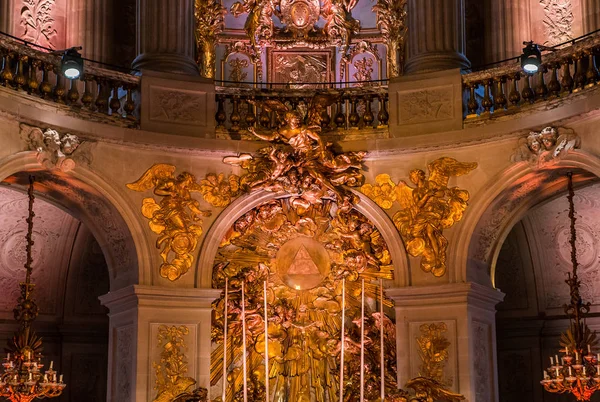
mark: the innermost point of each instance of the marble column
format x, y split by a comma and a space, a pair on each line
510, 25
136, 314
591, 15
165, 36
6, 10
89, 25
436, 39
467, 312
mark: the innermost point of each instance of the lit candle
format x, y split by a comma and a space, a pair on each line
557, 373
45, 377
225, 312
570, 373
343, 339
266, 345
381, 346
551, 361
61, 379
556, 357
583, 370
362, 344
30, 376
244, 344
576, 355
51, 364
566, 350
589, 349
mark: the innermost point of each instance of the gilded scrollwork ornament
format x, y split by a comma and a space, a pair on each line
259, 24
209, 15
426, 210
172, 384
391, 19
433, 350
176, 218
219, 190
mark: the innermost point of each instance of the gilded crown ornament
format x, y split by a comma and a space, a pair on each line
23, 379
577, 370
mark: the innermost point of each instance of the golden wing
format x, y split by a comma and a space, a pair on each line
318, 104
441, 169
404, 195
152, 176
433, 389
270, 105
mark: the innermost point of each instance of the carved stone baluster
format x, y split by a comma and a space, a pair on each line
45, 86
101, 96
527, 92
235, 117
500, 101
368, 117
514, 96
265, 118
6, 75
59, 90
325, 119
592, 74
73, 94
487, 101
541, 90
472, 104
220, 115
87, 97
354, 117
383, 116
115, 102
250, 116
340, 116
20, 80
32, 82
129, 106
579, 76
566, 81
553, 84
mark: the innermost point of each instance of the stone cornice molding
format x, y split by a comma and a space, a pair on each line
136, 296
468, 293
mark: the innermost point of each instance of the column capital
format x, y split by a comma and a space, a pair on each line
470, 293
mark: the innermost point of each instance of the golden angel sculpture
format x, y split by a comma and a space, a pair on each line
426, 210
176, 218
300, 162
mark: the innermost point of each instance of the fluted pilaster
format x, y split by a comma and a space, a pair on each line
165, 36
6, 10
89, 25
510, 25
436, 39
591, 15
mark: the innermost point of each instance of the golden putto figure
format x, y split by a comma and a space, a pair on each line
176, 218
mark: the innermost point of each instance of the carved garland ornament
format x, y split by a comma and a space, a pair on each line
433, 351
426, 210
37, 20
171, 381
391, 19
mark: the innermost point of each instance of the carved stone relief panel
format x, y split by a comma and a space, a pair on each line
550, 227
442, 343
515, 375
178, 106
300, 68
482, 361
364, 64
41, 22
51, 236
558, 20
422, 106
124, 354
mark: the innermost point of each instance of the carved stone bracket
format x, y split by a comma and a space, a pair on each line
55, 150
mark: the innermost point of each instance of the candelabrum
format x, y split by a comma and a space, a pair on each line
578, 370
22, 379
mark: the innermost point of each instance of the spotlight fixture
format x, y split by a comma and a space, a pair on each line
531, 59
72, 63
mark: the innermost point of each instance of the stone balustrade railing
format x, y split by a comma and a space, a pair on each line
358, 108
507, 89
99, 91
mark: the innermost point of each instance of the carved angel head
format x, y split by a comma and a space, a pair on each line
69, 143
293, 119
548, 136
533, 142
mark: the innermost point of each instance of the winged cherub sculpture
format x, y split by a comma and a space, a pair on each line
176, 218
428, 209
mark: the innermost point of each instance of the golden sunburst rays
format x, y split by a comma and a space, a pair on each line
303, 259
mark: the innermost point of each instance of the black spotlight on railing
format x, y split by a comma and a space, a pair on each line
531, 59
72, 63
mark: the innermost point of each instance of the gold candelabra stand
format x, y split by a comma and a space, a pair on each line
22, 379
577, 371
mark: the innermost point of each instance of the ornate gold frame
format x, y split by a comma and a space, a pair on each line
329, 53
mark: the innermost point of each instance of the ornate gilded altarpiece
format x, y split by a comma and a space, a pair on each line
301, 68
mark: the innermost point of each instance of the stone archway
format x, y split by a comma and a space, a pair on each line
505, 201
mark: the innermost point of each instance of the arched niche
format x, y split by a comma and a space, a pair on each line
505, 200
247, 202
96, 203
